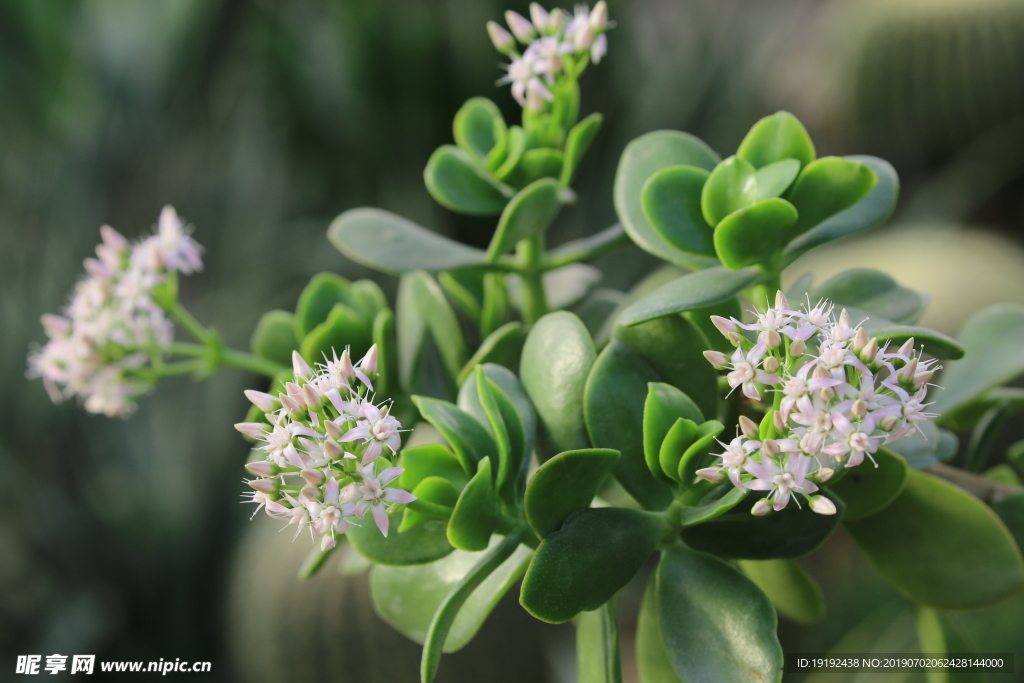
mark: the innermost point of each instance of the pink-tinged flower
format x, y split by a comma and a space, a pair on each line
599, 16
745, 372
599, 49
823, 506
735, 457
769, 326
373, 495
799, 386
520, 25
540, 17
781, 481
502, 39
857, 440
379, 430
717, 358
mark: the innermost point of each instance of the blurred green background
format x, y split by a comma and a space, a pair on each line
260, 120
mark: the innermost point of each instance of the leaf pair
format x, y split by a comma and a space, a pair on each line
676, 438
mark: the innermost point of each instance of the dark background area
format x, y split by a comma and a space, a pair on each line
261, 120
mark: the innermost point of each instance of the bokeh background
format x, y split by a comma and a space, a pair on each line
260, 120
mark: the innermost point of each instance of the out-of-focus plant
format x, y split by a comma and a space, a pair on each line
825, 403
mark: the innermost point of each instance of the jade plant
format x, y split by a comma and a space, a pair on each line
708, 417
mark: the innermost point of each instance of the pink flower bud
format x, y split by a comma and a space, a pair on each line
263, 485
333, 430
311, 493
760, 508
922, 378
823, 506
539, 16
328, 542
748, 427
332, 449
262, 468
309, 396
827, 393
520, 25
113, 239
724, 325
780, 301
253, 430
712, 474
824, 474
599, 16
859, 409
584, 38
264, 402
798, 348
291, 405
369, 362
869, 352
770, 447
56, 326
889, 423
908, 371
502, 39
771, 363
299, 366
772, 338
860, 340
716, 358
907, 349
779, 422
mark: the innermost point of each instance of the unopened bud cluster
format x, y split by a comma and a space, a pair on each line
557, 44
100, 348
327, 449
837, 396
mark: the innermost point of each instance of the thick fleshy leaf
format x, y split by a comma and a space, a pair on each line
529, 213
423, 543
477, 513
408, 597
935, 343
274, 337
663, 454
343, 328
613, 404
941, 547
716, 502
671, 204
793, 532
652, 660
387, 351
675, 349
775, 178
468, 438
583, 564
994, 356
497, 305
456, 183
598, 659
514, 149
465, 289
827, 186
587, 247
874, 292
386, 241
717, 624
694, 290
691, 459
501, 410
435, 490
556, 361
664, 407
318, 299
430, 460
536, 163
777, 137
732, 186
565, 484
577, 144
503, 347
790, 588
641, 159
867, 489
422, 307
512, 389
479, 127
873, 210
755, 234
1011, 510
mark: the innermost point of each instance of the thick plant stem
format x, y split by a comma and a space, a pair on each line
763, 295
251, 363
597, 646
535, 302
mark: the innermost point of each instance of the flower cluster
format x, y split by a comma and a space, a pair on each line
322, 445
837, 397
102, 345
556, 44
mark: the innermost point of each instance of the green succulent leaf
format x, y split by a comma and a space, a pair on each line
692, 291
423, 543
457, 183
387, 351
343, 328
664, 407
941, 547
935, 343
439, 491
583, 564
274, 337
675, 349
387, 242
718, 500
479, 127
792, 532
613, 405
556, 361
827, 186
872, 210
421, 308
597, 647
671, 202
867, 489
529, 213
318, 299
775, 178
408, 597
755, 234
576, 146
793, 592
565, 484
468, 438
515, 148
641, 159
537, 163
732, 186
716, 623
506, 387
503, 347
874, 292
477, 513
663, 454
1011, 510
775, 138
694, 455
430, 460
994, 356
497, 304
652, 660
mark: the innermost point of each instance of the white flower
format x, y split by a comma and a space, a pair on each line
781, 481
857, 440
745, 372
379, 430
373, 495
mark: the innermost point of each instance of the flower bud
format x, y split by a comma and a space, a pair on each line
860, 340
869, 352
584, 38
922, 378
748, 427
827, 393
772, 338
556, 20
299, 366
333, 430
328, 542
520, 25
760, 508
502, 39
889, 423
824, 474
770, 447
262, 468
716, 358
771, 363
263, 485
55, 325
313, 477
310, 493
113, 239
908, 371
253, 430
264, 402
823, 506
907, 349
332, 449
294, 392
369, 362
779, 422
724, 325
540, 17
599, 16
712, 474
859, 409
291, 406
309, 396
798, 348
780, 301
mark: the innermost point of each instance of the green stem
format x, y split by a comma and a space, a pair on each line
187, 320
587, 249
251, 363
535, 303
169, 370
597, 646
